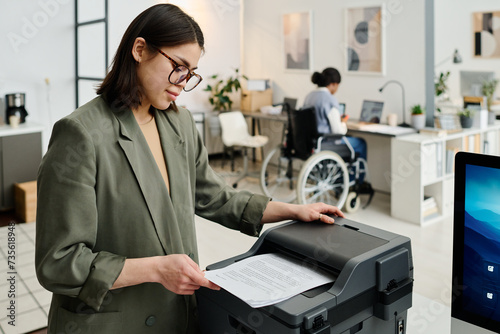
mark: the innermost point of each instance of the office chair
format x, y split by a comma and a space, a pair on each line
235, 134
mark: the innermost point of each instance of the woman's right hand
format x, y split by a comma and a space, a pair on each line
180, 274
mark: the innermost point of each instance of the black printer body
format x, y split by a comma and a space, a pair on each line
371, 291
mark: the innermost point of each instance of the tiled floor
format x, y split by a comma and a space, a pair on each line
31, 299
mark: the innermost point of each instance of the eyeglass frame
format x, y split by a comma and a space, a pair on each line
188, 76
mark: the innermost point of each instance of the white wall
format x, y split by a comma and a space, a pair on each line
38, 43
405, 46
455, 32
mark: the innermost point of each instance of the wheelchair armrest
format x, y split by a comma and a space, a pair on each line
331, 136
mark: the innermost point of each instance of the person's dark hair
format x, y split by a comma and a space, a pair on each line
328, 76
160, 25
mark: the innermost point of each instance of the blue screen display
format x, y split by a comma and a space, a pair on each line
481, 267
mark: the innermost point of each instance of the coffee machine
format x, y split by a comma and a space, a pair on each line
15, 107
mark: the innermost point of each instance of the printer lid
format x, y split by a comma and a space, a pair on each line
331, 245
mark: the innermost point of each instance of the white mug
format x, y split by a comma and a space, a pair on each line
392, 119
14, 121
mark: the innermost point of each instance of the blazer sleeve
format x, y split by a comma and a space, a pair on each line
66, 226
219, 202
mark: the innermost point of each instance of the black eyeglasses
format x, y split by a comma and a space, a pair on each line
181, 73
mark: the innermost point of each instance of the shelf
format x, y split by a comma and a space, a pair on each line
424, 165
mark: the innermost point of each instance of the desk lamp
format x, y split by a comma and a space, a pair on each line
404, 124
457, 59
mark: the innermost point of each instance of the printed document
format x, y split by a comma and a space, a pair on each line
267, 279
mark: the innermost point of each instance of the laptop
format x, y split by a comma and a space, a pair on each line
371, 113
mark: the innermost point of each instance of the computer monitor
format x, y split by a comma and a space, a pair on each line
475, 304
471, 82
371, 111
290, 103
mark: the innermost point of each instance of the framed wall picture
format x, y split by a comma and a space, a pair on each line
297, 42
486, 31
365, 40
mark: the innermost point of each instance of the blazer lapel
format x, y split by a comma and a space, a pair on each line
148, 176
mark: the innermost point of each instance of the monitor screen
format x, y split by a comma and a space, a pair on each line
371, 111
471, 82
476, 242
290, 102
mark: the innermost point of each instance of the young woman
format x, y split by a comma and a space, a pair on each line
328, 117
119, 187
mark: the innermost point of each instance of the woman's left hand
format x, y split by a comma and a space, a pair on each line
318, 211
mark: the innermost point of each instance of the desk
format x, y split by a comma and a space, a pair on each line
378, 142
380, 129
379, 153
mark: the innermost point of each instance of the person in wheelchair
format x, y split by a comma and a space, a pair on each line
329, 122
326, 105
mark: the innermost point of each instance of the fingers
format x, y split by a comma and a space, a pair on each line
197, 278
325, 219
181, 275
325, 210
336, 211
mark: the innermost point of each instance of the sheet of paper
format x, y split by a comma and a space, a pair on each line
267, 279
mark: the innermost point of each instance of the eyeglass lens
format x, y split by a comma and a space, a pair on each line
180, 73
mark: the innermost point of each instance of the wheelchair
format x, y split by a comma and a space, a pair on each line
299, 171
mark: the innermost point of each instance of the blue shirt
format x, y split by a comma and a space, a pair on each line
323, 101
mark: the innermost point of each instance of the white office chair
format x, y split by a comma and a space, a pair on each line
235, 134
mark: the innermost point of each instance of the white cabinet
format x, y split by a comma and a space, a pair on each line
422, 171
20, 156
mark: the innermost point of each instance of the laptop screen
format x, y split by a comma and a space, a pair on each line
371, 111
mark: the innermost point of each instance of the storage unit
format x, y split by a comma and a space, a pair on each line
422, 171
20, 157
252, 100
25, 200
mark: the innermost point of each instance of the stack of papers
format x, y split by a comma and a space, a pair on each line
267, 279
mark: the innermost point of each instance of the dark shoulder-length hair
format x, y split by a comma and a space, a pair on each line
160, 25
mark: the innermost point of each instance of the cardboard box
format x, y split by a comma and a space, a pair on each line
25, 200
252, 100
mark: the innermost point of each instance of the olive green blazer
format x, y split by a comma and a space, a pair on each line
101, 199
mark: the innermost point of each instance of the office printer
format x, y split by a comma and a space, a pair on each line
371, 291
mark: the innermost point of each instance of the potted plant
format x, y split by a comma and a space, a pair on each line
221, 90
441, 86
417, 117
488, 90
466, 118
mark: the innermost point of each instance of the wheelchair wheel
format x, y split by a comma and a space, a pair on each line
278, 176
352, 203
323, 178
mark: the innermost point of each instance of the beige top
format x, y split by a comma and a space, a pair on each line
152, 136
